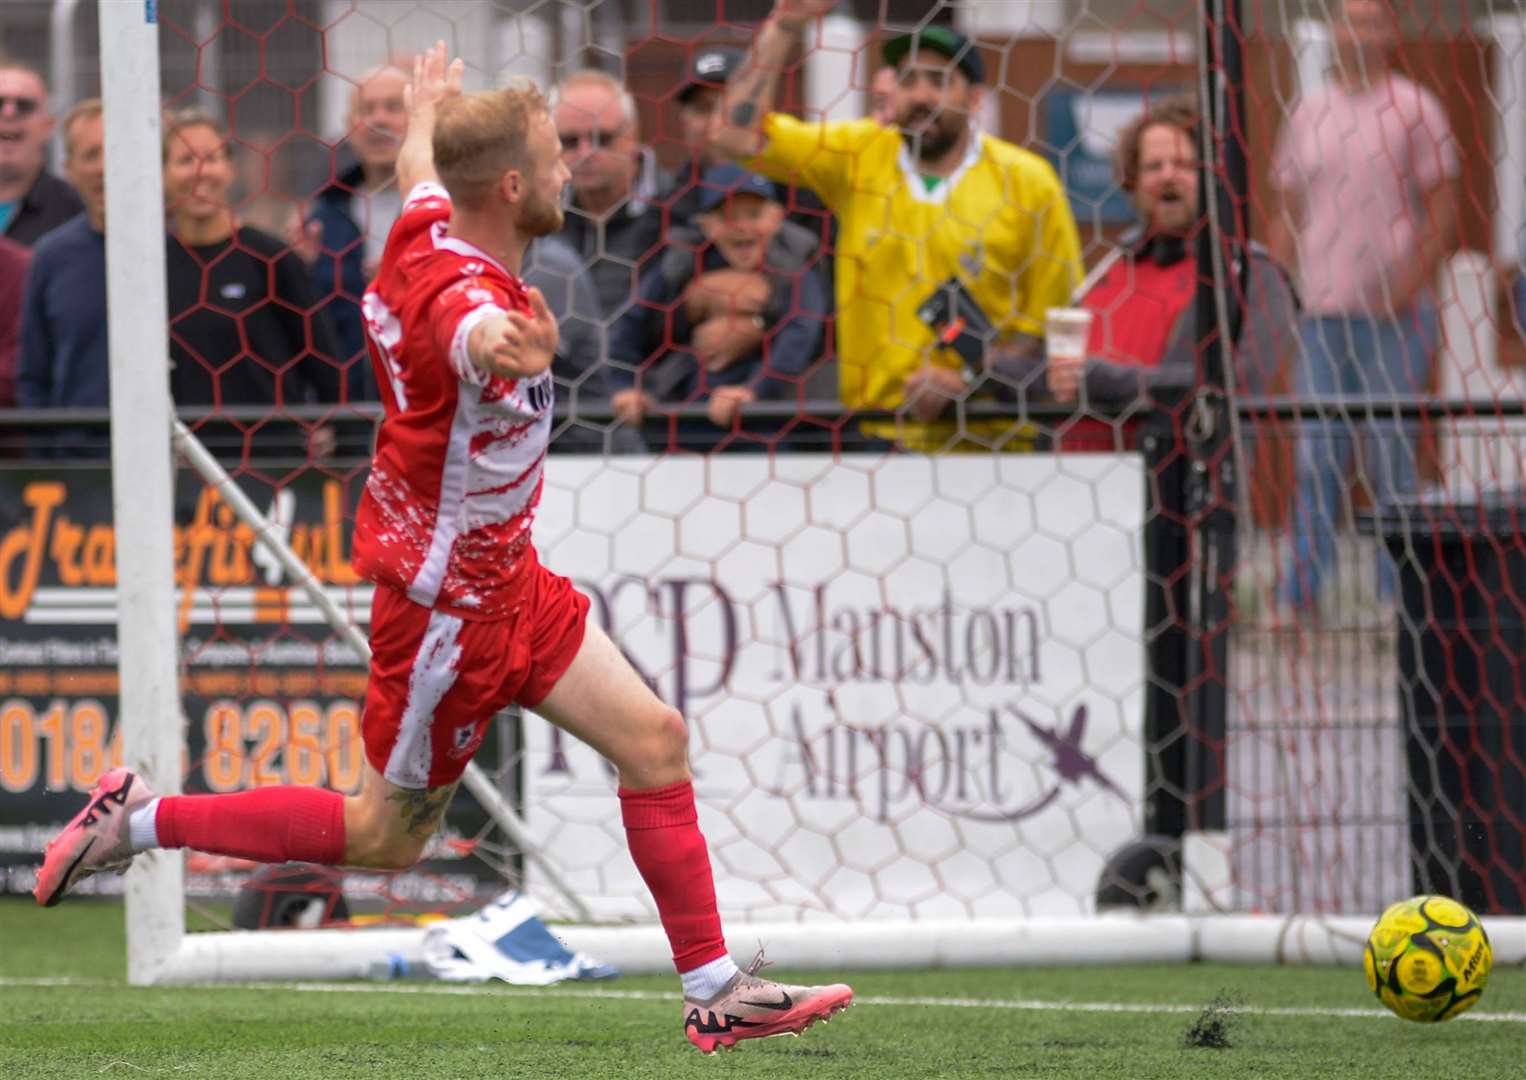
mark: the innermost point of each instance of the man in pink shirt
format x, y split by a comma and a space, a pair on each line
1365, 169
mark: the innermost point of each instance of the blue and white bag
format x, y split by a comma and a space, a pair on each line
506, 940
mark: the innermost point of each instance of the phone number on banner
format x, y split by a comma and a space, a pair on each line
69, 744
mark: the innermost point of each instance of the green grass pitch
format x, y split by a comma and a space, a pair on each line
65, 1011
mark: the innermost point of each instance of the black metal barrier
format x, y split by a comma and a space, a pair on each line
1462, 633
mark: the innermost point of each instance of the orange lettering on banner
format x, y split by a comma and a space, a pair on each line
344, 750
88, 753
18, 747
223, 767
68, 745
29, 541
101, 556
67, 540
51, 724
199, 538
116, 746
304, 753
215, 549
222, 571
243, 544
266, 724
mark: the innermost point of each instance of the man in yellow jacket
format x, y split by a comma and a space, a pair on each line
926, 209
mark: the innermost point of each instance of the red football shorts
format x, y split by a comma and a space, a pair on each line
437, 679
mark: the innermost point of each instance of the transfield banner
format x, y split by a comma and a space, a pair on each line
270, 694
914, 685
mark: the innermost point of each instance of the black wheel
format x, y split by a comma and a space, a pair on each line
1146, 874
293, 894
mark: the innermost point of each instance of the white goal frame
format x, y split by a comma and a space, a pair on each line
160, 951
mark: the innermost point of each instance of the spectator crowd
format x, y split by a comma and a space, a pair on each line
901, 263
757, 270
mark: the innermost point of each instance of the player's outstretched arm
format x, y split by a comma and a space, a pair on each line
515, 345
751, 94
434, 80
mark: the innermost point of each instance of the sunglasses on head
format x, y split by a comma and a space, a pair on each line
596, 138
24, 106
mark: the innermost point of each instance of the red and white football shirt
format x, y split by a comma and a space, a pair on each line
446, 513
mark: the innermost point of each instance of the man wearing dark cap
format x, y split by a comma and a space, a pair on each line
939, 225
698, 101
732, 312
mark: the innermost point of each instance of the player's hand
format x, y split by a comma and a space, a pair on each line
537, 334
1064, 376
726, 402
796, 13
434, 79
929, 391
515, 345
630, 406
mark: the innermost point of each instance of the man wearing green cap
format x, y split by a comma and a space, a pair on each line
929, 210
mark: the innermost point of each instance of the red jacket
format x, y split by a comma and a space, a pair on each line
13, 264
1136, 306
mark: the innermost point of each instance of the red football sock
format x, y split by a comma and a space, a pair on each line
273, 824
662, 829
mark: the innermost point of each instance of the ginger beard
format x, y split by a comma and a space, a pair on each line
545, 177
539, 215
1167, 188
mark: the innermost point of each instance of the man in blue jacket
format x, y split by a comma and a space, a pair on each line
63, 359
351, 217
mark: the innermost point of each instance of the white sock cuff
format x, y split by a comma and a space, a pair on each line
142, 826
704, 982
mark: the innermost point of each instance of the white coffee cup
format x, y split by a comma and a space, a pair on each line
1067, 331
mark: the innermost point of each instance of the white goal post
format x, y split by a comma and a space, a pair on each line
140, 423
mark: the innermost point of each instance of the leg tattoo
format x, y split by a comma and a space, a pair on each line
422, 810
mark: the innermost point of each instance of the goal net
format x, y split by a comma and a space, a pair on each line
1216, 670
